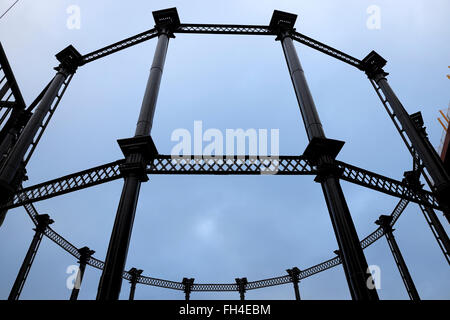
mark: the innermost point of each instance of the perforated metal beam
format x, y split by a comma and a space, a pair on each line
66, 184
310, 42
165, 164
120, 45
231, 287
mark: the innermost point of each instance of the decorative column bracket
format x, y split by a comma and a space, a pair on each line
385, 223
85, 256
43, 221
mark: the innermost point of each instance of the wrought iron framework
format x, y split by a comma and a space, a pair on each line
142, 158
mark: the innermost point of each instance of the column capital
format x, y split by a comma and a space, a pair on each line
282, 23
242, 285
384, 222
166, 21
373, 65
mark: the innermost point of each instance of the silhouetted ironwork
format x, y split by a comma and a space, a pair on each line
187, 283
294, 275
85, 255
142, 158
241, 287
236, 165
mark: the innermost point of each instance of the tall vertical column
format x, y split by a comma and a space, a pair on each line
373, 65
12, 171
135, 274
85, 255
412, 178
43, 222
294, 274
322, 151
137, 151
242, 286
385, 223
188, 283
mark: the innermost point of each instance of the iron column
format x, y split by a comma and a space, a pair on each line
43, 221
242, 285
135, 274
324, 150
373, 65
385, 223
137, 152
85, 255
294, 274
187, 283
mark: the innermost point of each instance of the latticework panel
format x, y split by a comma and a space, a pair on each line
327, 49
126, 43
222, 165
66, 184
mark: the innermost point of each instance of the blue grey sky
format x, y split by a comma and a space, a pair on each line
215, 229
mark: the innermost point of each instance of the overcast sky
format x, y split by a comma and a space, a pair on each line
218, 228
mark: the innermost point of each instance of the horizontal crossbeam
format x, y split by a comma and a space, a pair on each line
222, 165
224, 29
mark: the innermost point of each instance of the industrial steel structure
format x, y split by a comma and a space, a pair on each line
21, 128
